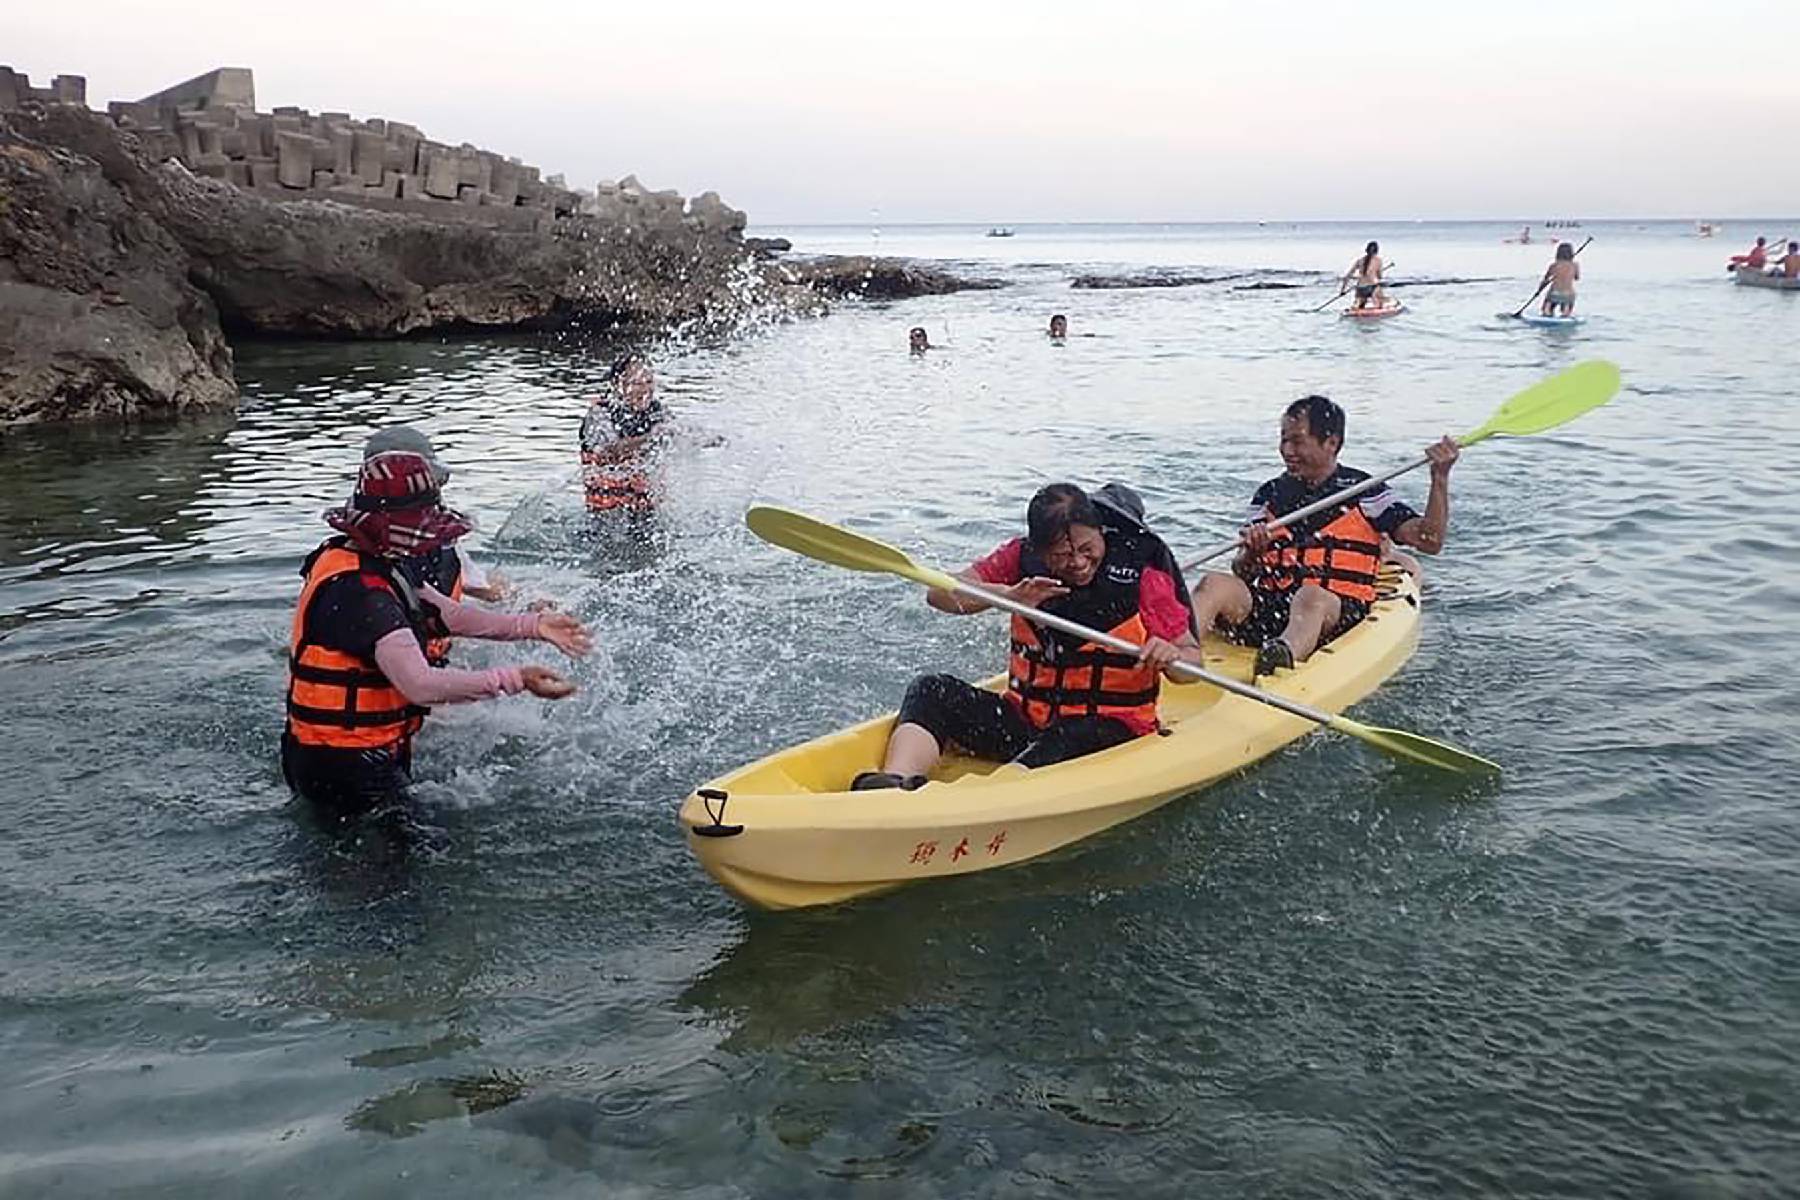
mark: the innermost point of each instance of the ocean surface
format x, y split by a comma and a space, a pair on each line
1332, 975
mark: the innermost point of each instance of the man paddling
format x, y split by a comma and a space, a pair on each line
1789, 264
1088, 559
1366, 271
1294, 589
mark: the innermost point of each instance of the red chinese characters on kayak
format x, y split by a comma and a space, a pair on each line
924, 852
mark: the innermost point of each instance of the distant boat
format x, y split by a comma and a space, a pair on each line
999, 231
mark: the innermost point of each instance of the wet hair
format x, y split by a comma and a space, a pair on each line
916, 331
1565, 253
1055, 317
1323, 418
624, 363
1369, 251
1054, 511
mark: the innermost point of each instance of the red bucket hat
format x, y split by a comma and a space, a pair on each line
397, 511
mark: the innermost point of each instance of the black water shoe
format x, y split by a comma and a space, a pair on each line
1274, 655
870, 781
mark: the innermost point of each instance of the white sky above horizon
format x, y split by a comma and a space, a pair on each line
1006, 112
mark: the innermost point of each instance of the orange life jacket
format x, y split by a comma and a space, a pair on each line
616, 485
1050, 678
1341, 556
339, 699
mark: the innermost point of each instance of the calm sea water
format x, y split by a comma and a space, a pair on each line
1330, 976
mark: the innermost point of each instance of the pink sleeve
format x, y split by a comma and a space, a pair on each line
1165, 616
465, 620
400, 659
1003, 566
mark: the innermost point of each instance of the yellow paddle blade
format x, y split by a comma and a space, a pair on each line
1402, 744
840, 547
1558, 399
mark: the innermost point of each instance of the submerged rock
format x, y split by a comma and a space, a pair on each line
877, 278
1158, 278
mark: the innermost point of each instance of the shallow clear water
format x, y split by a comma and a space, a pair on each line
1332, 975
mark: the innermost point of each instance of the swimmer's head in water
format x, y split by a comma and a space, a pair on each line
1059, 326
915, 338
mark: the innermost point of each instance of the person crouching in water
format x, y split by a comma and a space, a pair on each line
1294, 588
359, 685
1560, 277
1091, 561
621, 432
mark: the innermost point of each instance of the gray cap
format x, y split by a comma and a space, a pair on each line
405, 437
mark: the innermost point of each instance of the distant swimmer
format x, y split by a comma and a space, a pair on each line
916, 340
1366, 273
1059, 327
1756, 259
1561, 276
1525, 236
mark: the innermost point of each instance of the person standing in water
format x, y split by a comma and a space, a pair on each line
1366, 273
359, 684
620, 434
1560, 276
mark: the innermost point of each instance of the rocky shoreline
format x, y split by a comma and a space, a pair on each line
122, 276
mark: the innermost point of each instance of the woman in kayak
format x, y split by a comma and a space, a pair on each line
620, 435
1561, 275
1366, 271
1092, 561
1756, 259
359, 685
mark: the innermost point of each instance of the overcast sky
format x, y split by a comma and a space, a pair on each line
1001, 112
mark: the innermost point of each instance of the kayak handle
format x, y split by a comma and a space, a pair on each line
717, 828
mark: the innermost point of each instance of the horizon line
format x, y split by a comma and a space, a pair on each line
1508, 221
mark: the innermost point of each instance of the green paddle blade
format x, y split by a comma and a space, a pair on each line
1414, 748
840, 547
1556, 401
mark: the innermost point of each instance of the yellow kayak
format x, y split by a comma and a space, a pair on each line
783, 832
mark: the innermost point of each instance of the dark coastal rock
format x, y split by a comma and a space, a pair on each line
119, 275
768, 247
876, 278
317, 268
98, 320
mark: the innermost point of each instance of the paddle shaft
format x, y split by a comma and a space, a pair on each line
1520, 311
1300, 514
1200, 674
